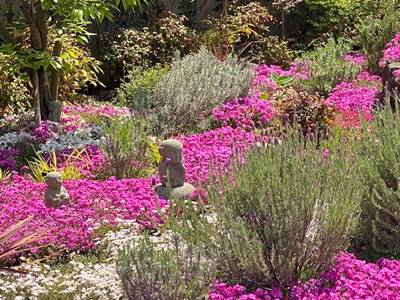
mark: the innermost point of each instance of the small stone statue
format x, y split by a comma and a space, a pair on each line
55, 108
55, 195
172, 172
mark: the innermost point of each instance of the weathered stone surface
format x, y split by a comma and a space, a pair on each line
55, 108
55, 194
172, 172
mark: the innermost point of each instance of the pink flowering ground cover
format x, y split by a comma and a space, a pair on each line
248, 112
357, 59
355, 97
263, 81
349, 279
94, 203
391, 52
73, 116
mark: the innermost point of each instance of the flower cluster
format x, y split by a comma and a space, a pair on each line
263, 79
349, 279
212, 151
7, 159
391, 52
356, 98
353, 279
45, 131
357, 59
75, 116
222, 291
249, 112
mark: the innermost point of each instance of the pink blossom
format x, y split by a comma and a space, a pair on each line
356, 98
357, 59
391, 52
248, 113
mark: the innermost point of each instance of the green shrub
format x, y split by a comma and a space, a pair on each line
14, 95
138, 88
271, 51
285, 216
127, 149
153, 272
192, 88
126, 48
327, 68
377, 31
241, 28
380, 230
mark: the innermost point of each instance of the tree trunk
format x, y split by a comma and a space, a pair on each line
37, 21
283, 24
54, 73
36, 98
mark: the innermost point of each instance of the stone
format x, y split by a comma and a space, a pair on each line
172, 172
55, 194
55, 108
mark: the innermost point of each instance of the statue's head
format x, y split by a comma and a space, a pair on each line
171, 150
53, 180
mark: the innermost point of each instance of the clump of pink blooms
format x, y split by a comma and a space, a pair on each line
391, 52
349, 279
72, 118
96, 110
222, 291
45, 131
248, 112
357, 59
207, 153
353, 279
7, 159
263, 75
357, 98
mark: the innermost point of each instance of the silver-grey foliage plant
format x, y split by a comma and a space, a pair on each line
168, 272
196, 84
285, 216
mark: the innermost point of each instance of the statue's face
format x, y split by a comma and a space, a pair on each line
53, 183
172, 155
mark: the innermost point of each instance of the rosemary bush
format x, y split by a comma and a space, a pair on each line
192, 88
327, 68
285, 216
380, 149
149, 272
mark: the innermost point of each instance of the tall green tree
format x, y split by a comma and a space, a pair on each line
42, 57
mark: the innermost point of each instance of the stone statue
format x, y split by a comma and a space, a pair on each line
55, 108
172, 172
55, 195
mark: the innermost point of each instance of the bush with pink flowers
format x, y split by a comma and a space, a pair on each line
391, 52
356, 99
349, 279
249, 113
